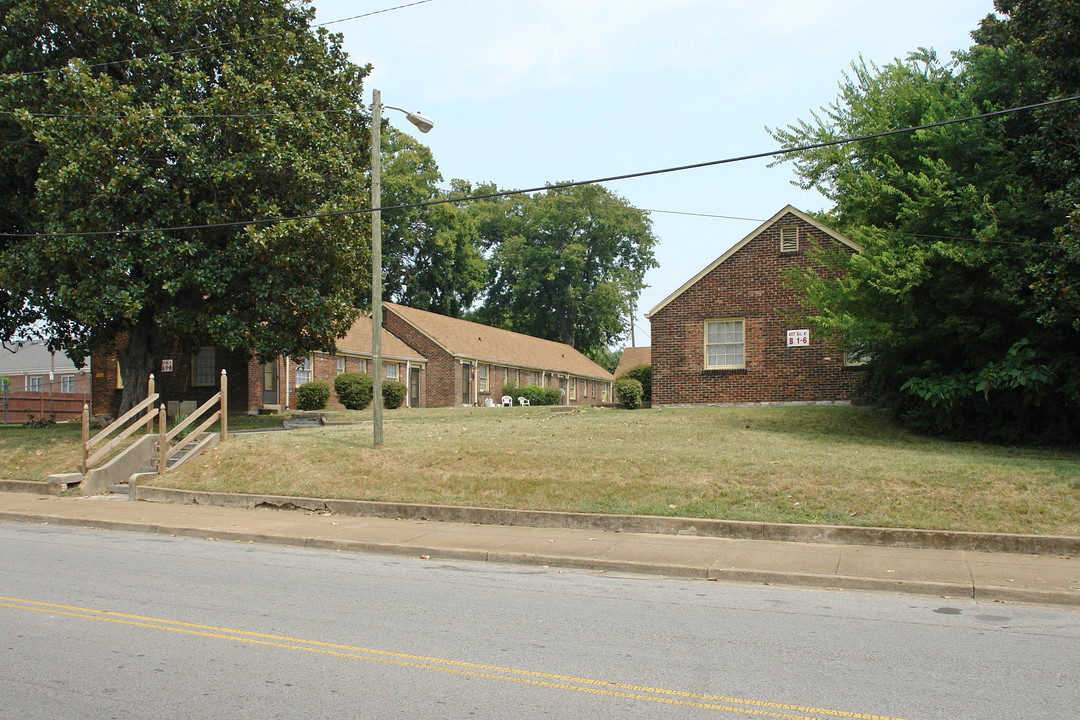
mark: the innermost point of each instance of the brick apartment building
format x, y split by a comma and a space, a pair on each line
255, 387
442, 361
468, 363
722, 338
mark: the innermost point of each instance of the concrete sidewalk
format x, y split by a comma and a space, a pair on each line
984, 576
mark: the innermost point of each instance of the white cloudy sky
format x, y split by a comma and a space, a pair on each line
525, 92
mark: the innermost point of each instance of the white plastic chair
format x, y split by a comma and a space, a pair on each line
507, 401
523, 401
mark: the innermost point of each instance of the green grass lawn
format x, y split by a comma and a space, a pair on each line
826, 465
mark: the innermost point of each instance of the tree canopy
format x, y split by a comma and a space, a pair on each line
966, 296
565, 264
118, 118
431, 255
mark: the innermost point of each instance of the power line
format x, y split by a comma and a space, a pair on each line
202, 116
705, 215
214, 46
562, 186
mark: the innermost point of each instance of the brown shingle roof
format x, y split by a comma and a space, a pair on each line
463, 338
632, 357
358, 340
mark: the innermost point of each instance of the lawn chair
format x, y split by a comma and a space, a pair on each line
523, 401
507, 401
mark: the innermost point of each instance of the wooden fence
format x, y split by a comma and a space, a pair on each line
15, 404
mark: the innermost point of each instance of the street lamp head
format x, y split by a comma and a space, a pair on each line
422, 122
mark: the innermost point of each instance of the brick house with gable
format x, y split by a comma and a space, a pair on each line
722, 338
468, 363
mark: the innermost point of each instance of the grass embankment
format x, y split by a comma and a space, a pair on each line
826, 465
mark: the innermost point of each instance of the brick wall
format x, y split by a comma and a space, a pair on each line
440, 384
175, 385
748, 285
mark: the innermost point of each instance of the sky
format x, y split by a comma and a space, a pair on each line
527, 92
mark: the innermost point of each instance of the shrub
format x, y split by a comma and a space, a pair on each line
353, 390
313, 395
629, 392
511, 390
393, 393
553, 396
643, 374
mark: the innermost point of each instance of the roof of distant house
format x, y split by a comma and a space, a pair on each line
632, 357
473, 341
33, 357
358, 340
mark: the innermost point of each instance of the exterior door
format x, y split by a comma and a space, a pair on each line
466, 388
414, 387
270, 383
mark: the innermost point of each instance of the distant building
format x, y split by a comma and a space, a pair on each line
31, 367
42, 383
632, 357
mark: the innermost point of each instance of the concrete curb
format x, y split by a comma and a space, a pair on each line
766, 577
31, 486
647, 524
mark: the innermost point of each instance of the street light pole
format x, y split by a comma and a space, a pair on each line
424, 124
376, 266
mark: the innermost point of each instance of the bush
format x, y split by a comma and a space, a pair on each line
533, 393
313, 395
353, 390
393, 394
511, 390
643, 374
629, 392
536, 395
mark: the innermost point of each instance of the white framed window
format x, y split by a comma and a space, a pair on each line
603, 392
363, 366
854, 357
67, 383
304, 371
340, 364
725, 344
391, 371
789, 239
33, 383
482, 372
573, 388
203, 365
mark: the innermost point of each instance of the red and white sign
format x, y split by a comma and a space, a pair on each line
798, 338
166, 366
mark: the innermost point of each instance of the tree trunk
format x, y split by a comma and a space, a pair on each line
136, 363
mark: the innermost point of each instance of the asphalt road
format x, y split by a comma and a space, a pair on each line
100, 624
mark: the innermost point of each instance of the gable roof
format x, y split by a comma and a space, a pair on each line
742, 243
473, 341
358, 341
33, 357
632, 357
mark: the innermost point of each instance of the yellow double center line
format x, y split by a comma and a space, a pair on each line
703, 701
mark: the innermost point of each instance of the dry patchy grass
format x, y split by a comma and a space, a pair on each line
805, 465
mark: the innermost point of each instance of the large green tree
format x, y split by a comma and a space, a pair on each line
564, 264
118, 116
962, 298
431, 254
